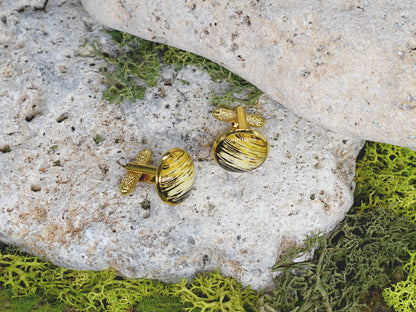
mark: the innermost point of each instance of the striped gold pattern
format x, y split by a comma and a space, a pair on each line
240, 150
175, 176
131, 178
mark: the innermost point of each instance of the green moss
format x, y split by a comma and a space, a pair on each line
350, 267
27, 276
5, 149
31, 280
145, 204
402, 296
98, 139
239, 90
5, 301
386, 176
31, 303
135, 63
212, 292
138, 64
159, 304
368, 252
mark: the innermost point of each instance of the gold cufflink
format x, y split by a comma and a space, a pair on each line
240, 149
174, 176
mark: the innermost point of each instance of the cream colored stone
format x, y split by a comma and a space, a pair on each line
348, 65
59, 188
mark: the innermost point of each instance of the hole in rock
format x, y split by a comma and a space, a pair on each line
62, 117
5, 149
35, 188
30, 118
32, 110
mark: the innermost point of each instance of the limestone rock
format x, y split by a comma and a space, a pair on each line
63, 152
348, 65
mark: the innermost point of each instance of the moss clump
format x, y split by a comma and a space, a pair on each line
350, 267
239, 90
139, 60
402, 296
26, 276
212, 292
368, 251
98, 139
28, 303
34, 283
386, 176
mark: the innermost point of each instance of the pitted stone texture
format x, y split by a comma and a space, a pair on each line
347, 65
59, 183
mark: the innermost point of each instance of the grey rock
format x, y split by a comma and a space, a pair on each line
59, 188
347, 65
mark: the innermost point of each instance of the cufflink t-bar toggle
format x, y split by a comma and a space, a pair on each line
173, 177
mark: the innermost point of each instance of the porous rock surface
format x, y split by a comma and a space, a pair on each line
348, 65
63, 152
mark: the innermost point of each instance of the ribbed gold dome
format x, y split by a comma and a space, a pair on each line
175, 176
240, 150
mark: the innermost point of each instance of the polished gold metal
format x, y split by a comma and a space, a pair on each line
230, 115
174, 176
131, 178
240, 149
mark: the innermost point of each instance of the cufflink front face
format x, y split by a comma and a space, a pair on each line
240, 149
174, 176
